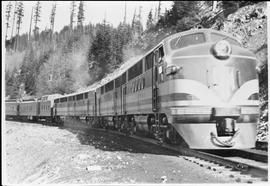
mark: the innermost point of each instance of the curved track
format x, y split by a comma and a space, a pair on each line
246, 168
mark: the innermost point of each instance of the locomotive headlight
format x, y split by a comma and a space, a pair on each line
222, 49
172, 70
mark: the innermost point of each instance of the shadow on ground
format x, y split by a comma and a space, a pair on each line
107, 141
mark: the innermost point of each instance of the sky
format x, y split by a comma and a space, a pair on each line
95, 12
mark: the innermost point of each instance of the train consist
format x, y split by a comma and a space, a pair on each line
198, 88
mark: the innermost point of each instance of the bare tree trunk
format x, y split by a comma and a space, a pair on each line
125, 17
159, 9
14, 13
30, 28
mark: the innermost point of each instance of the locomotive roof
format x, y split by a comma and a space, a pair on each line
118, 72
32, 101
11, 100
74, 94
204, 30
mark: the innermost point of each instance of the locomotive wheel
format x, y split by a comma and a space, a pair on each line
122, 125
106, 125
114, 123
133, 126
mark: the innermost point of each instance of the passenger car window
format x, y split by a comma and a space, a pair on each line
184, 41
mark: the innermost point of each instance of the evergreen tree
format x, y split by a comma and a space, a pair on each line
137, 31
150, 21
159, 10
100, 50
133, 20
13, 84
27, 72
52, 18
30, 26
136, 26
184, 15
14, 17
8, 15
229, 7
9, 79
80, 15
37, 18
72, 14
20, 14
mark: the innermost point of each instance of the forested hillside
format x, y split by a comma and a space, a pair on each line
45, 62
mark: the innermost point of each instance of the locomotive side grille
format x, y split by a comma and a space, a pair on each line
218, 111
191, 110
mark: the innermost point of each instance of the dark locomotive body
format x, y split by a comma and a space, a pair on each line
198, 88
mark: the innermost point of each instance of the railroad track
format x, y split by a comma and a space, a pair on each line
249, 154
246, 166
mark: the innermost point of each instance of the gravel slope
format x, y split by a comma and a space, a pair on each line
42, 154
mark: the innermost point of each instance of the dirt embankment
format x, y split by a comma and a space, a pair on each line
43, 154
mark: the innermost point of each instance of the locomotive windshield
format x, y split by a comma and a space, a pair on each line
218, 37
184, 41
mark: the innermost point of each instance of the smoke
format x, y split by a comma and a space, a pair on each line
79, 69
13, 60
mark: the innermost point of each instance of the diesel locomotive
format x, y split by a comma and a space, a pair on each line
197, 88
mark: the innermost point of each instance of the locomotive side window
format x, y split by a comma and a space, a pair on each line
80, 96
184, 41
149, 61
160, 54
63, 99
218, 37
124, 78
102, 89
118, 82
70, 98
109, 86
135, 71
85, 95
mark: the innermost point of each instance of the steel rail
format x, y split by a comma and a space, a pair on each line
252, 154
234, 165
